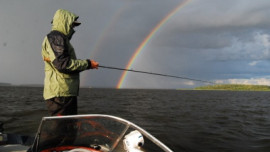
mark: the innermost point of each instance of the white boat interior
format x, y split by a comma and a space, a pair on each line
90, 133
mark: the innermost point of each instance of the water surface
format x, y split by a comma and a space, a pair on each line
191, 121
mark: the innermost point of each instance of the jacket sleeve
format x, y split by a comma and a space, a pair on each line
63, 61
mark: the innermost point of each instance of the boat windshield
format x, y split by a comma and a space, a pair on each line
92, 133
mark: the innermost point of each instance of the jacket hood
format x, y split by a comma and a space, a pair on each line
62, 21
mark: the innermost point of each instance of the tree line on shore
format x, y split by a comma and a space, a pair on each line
235, 87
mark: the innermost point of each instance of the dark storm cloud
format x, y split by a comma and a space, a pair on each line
213, 40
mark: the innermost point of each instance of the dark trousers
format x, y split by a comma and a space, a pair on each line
59, 106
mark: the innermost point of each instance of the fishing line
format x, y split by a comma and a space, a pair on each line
152, 73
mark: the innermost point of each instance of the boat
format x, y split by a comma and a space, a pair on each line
89, 133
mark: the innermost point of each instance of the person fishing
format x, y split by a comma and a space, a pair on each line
62, 68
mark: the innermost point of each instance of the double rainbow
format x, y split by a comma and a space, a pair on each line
147, 39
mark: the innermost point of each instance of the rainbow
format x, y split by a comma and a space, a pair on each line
147, 39
109, 27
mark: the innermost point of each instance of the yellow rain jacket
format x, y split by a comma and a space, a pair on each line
63, 68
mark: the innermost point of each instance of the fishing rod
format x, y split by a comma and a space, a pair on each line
159, 74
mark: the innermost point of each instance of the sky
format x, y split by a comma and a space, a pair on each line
212, 40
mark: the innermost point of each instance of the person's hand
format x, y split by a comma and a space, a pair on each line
94, 64
46, 59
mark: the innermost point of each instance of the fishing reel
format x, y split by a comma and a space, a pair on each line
133, 141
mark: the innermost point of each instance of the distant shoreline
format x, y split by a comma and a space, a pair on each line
5, 84
21, 85
235, 87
